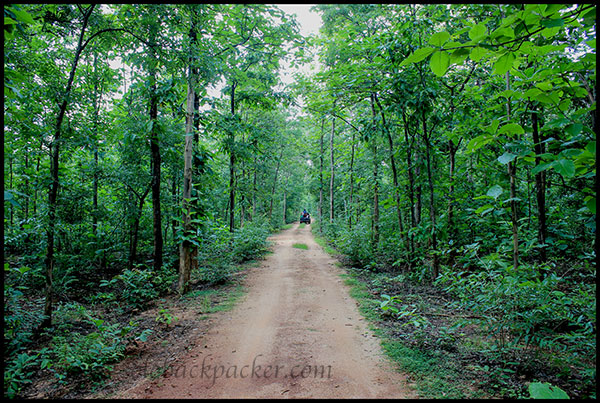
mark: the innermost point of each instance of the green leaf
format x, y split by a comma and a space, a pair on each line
504, 63
542, 167
574, 129
477, 32
439, 38
539, 390
484, 209
477, 53
591, 204
478, 142
439, 63
417, 56
506, 158
557, 22
495, 191
564, 167
511, 128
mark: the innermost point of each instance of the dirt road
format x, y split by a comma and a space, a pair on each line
297, 333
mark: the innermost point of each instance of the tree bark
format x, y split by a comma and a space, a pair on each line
321, 178
411, 181
436, 267
185, 250
155, 164
275, 183
540, 186
332, 171
394, 169
232, 165
375, 216
512, 172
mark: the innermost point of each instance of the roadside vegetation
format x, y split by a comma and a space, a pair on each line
471, 344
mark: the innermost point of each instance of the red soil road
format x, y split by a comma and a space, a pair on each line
296, 333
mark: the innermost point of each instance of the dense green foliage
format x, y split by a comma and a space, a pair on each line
149, 147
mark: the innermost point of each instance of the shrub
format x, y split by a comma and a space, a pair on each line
138, 286
250, 242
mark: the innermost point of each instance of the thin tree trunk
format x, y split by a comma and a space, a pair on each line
155, 166
436, 267
54, 170
351, 181
394, 169
185, 250
540, 186
411, 181
321, 178
332, 170
375, 219
232, 166
512, 172
275, 183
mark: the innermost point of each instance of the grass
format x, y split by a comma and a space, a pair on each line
287, 226
302, 225
323, 244
300, 246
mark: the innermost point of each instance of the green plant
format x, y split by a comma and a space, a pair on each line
17, 373
300, 246
387, 303
545, 390
138, 286
165, 317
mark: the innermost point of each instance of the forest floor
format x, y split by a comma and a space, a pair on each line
296, 333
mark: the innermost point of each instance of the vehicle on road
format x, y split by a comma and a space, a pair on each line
305, 218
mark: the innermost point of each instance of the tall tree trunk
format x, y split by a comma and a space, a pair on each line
285, 200
232, 165
54, 170
254, 190
512, 172
351, 181
185, 249
394, 169
540, 186
436, 264
275, 183
155, 165
411, 181
332, 171
375, 216
321, 178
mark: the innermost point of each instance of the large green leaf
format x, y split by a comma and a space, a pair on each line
477, 53
439, 38
477, 32
564, 167
439, 63
504, 63
511, 128
539, 390
506, 158
417, 56
495, 191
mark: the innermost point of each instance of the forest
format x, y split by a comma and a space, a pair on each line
446, 153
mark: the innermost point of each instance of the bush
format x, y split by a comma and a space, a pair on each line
250, 242
139, 286
220, 250
521, 308
356, 244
